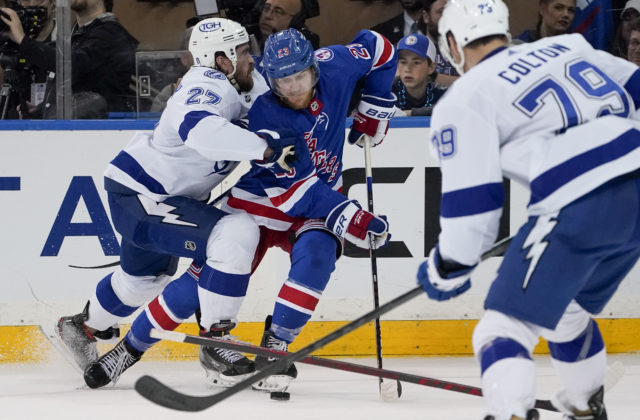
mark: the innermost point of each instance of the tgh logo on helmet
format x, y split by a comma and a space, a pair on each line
209, 26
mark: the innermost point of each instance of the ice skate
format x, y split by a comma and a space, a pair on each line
278, 382
78, 342
111, 365
224, 367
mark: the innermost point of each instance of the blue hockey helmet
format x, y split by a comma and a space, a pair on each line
286, 53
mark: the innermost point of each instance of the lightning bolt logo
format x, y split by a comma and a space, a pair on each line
163, 210
536, 243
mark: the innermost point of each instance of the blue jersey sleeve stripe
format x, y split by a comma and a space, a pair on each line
191, 120
548, 182
126, 163
473, 200
633, 87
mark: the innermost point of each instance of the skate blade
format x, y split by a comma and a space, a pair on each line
217, 380
273, 383
56, 341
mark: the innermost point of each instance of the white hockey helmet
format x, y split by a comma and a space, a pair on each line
213, 35
468, 20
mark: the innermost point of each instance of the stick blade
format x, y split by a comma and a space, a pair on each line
390, 390
157, 392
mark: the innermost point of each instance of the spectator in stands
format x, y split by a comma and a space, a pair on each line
633, 52
628, 18
403, 24
29, 80
431, 14
415, 88
554, 18
102, 57
278, 15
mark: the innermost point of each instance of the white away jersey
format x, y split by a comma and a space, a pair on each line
195, 145
555, 115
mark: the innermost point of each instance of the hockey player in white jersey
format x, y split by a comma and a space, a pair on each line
158, 187
560, 118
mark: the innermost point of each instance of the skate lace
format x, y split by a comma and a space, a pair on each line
275, 344
116, 362
231, 356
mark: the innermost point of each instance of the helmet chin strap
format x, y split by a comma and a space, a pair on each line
231, 76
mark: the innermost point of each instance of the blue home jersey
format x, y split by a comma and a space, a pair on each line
274, 201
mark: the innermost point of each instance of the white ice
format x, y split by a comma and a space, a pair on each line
54, 391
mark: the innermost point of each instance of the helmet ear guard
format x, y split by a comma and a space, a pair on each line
470, 20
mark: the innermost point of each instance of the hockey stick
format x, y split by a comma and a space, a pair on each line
613, 375
388, 390
156, 391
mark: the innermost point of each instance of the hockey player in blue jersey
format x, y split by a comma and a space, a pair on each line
159, 184
310, 93
560, 118
299, 210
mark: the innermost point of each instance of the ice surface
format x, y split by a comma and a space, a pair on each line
55, 391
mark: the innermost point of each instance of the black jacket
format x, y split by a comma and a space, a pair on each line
392, 29
102, 59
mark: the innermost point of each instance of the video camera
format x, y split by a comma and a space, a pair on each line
31, 18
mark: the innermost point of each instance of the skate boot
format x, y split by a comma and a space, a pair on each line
78, 341
110, 366
280, 381
531, 415
224, 367
596, 404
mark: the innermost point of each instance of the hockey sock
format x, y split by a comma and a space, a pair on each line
508, 378
105, 307
313, 260
178, 302
581, 365
221, 295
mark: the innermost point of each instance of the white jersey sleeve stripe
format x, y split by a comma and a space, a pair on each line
553, 179
474, 200
191, 119
127, 164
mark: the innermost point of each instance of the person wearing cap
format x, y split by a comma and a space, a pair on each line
554, 18
628, 18
415, 87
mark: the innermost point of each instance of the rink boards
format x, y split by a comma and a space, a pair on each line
55, 219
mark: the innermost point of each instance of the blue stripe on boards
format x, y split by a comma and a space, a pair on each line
126, 163
499, 349
633, 87
473, 200
9, 183
548, 182
191, 120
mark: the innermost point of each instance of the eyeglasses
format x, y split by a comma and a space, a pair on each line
277, 11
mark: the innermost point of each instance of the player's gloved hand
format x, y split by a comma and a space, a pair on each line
440, 284
282, 143
349, 221
372, 119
